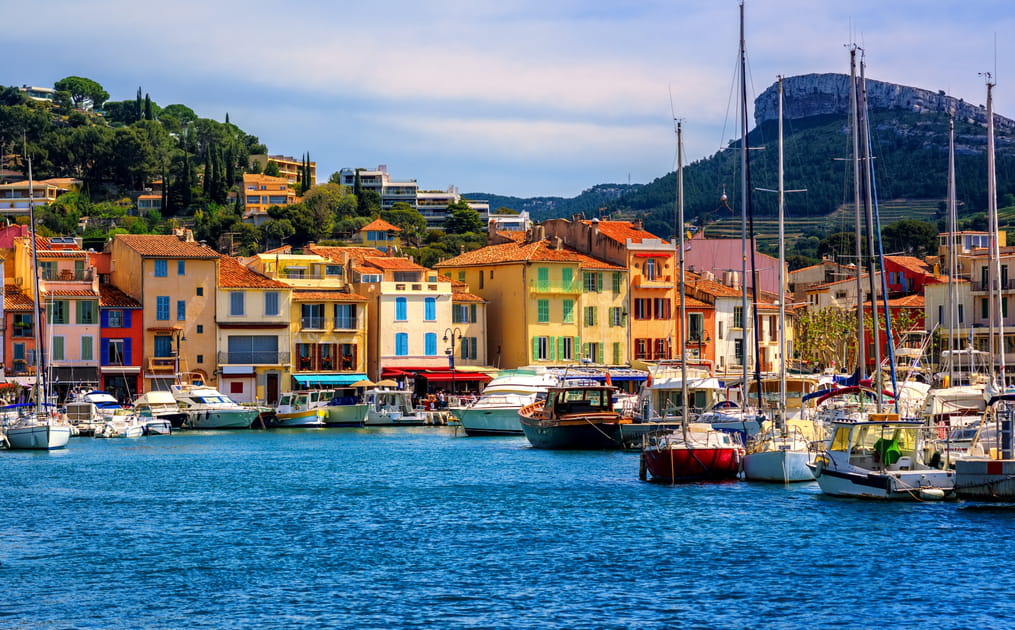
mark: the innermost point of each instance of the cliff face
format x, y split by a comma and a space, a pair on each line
819, 94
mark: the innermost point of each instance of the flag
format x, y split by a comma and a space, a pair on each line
609, 381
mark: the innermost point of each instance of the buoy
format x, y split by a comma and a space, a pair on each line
932, 494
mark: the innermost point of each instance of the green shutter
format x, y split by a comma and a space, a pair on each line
599, 282
616, 282
585, 351
58, 348
472, 313
602, 352
550, 349
535, 348
560, 347
86, 348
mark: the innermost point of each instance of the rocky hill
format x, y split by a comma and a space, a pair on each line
811, 95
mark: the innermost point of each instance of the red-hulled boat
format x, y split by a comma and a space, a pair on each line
578, 417
695, 454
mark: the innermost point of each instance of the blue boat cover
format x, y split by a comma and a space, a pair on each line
328, 379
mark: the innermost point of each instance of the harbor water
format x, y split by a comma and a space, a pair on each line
415, 527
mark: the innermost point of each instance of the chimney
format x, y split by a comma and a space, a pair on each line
536, 234
558, 243
637, 224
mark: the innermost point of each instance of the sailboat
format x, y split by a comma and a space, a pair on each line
783, 452
697, 451
876, 454
38, 426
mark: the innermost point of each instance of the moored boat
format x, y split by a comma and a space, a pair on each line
576, 417
699, 453
207, 408
300, 409
495, 412
391, 407
780, 456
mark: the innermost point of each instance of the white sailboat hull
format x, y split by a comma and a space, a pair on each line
489, 420
38, 436
782, 466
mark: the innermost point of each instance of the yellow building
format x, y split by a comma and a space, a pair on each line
261, 192
328, 321
379, 234
288, 167
547, 305
253, 317
14, 197
174, 278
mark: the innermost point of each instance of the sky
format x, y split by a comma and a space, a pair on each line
514, 97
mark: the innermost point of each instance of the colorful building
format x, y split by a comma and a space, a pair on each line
253, 323
174, 278
261, 192
380, 235
120, 344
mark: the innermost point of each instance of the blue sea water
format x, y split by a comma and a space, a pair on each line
404, 528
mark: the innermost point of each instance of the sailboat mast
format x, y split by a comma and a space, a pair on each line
995, 248
782, 271
952, 297
745, 196
680, 257
861, 356
868, 168
36, 310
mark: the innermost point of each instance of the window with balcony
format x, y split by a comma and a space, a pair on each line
312, 316
345, 316
22, 325
651, 271
163, 346
251, 349
347, 354
542, 278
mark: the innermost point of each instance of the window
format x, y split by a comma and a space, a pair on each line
565, 348
662, 308
200, 358
161, 269
86, 348
642, 308
738, 350
661, 346
200, 291
58, 312
541, 348
181, 310
250, 349
468, 348
461, 276
695, 326
650, 270
590, 315
738, 317
567, 278
163, 346
568, 310
114, 354
401, 309
616, 316
984, 308
333, 270
181, 267
237, 304
641, 349
114, 319
200, 328
162, 308
347, 356
271, 303
430, 309
86, 312
543, 311
401, 344
617, 281
542, 278
961, 314
430, 344
312, 316
58, 348
593, 282
345, 316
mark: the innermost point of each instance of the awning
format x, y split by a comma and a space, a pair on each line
328, 379
237, 370
445, 376
120, 369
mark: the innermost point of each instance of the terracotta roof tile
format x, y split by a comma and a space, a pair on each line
15, 300
111, 297
712, 287
326, 296
459, 296
393, 264
71, 293
620, 231
165, 246
911, 263
234, 275
378, 225
520, 252
354, 253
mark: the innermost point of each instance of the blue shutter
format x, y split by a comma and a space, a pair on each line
104, 319
400, 309
431, 309
104, 351
126, 318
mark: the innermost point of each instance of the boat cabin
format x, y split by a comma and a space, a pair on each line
562, 401
883, 443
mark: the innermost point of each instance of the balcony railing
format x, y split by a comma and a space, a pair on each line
346, 323
253, 358
22, 331
1007, 285
67, 274
535, 286
312, 323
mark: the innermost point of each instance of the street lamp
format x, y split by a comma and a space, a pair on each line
451, 334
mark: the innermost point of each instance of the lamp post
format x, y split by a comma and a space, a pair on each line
451, 334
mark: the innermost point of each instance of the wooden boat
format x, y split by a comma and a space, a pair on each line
576, 417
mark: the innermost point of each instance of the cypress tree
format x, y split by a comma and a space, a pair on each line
230, 167
206, 184
148, 108
227, 118
138, 105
